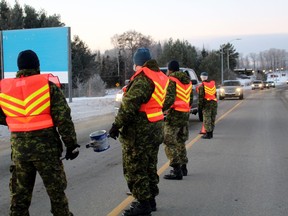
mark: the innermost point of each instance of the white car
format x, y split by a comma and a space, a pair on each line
231, 89
257, 84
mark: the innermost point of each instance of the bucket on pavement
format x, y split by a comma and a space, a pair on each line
99, 141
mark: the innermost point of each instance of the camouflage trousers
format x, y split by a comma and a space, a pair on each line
209, 118
174, 144
140, 157
22, 183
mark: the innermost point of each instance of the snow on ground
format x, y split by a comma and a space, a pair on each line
85, 107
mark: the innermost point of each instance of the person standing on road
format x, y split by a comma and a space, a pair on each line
37, 114
208, 104
140, 122
178, 102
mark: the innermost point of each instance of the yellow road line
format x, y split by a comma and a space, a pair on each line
116, 211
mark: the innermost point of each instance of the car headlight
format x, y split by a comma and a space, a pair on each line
238, 89
119, 97
252, 85
260, 85
222, 90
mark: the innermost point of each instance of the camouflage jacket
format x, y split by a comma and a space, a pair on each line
174, 117
202, 102
139, 91
45, 143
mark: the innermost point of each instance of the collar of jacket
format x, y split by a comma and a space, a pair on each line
27, 72
152, 65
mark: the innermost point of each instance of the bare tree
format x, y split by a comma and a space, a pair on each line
254, 59
126, 44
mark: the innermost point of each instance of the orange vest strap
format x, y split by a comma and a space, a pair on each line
54, 79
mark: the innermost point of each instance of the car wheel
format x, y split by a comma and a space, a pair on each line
200, 115
241, 97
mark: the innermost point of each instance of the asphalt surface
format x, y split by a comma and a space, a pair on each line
242, 171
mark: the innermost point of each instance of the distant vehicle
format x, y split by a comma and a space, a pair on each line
266, 84
271, 84
118, 98
231, 89
195, 83
257, 84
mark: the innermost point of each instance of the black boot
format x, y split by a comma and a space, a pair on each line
184, 170
207, 136
175, 174
142, 208
152, 202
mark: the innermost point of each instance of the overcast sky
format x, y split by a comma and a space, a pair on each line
260, 24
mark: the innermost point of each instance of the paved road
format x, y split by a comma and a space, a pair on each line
242, 171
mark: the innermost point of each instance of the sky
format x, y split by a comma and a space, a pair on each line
259, 24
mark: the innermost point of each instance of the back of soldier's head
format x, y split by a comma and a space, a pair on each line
141, 56
204, 76
173, 66
28, 59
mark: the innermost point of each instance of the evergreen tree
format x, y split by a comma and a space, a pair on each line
17, 18
5, 14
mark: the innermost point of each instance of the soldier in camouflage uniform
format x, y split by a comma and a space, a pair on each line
36, 145
208, 103
141, 131
178, 101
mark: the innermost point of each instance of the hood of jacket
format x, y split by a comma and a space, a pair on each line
152, 65
27, 72
181, 76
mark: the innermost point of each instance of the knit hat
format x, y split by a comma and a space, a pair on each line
141, 56
173, 65
28, 59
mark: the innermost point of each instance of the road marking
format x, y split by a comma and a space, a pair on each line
117, 210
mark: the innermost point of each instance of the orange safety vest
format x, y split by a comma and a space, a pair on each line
210, 90
182, 100
26, 103
153, 108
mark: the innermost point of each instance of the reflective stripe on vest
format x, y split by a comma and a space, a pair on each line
26, 103
210, 90
182, 100
153, 108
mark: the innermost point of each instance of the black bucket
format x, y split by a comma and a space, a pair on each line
99, 141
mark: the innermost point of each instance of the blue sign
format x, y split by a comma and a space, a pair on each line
52, 45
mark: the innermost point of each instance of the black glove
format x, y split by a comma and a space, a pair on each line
72, 152
114, 131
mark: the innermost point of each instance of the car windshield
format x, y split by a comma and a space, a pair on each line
231, 83
257, 82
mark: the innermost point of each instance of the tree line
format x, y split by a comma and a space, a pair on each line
93, 71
